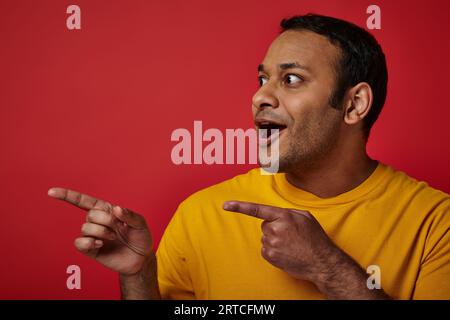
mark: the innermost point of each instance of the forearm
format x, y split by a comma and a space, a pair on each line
343, 279
142, 285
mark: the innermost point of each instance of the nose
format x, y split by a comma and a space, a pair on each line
265, 97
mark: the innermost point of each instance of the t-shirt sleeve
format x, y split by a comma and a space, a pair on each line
433, 281
173, 251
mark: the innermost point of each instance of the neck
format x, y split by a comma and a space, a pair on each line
344, 168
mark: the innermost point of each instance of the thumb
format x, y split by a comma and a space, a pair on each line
131, 218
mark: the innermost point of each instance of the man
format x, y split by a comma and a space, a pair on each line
311, 230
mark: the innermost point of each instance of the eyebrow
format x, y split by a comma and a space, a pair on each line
287, 65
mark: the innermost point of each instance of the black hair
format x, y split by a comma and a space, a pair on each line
362, 59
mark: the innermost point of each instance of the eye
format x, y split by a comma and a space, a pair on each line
292, 79
262, 80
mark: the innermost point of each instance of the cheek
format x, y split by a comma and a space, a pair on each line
298, 111
306, 107
294, 107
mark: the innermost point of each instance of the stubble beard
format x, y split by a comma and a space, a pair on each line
308, 146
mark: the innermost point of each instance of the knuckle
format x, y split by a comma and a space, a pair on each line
94, 203
265, 226
263, 252
273, 229
104, 231
101, 217
100, 205
256, 210
270, 254
91, 215
270, 242
82, 244
264, 240
108, 207
282, 228
274, 242
126, 213
109, 220
77, 197
85, 227
81, 198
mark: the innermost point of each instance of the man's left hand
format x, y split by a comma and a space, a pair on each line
292, 239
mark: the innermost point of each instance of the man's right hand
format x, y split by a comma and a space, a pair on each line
116, 237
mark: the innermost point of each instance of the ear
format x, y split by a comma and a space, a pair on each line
358, 102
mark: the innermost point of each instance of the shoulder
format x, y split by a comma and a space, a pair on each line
423, 206
416, 191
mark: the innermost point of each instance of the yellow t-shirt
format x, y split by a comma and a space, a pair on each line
390, 220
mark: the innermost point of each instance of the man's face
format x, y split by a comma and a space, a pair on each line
297, 79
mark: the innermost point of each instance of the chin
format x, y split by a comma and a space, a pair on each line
274, 166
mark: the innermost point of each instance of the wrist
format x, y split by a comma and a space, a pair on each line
148, 267
341, 277
142, 284
334, 264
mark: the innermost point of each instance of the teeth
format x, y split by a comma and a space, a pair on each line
265, 133
269, 125
267, 129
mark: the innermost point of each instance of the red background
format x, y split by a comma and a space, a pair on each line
93, 110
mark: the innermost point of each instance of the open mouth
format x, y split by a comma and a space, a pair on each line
267, 130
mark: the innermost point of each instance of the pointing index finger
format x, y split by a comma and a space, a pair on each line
79, 199
261, 211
